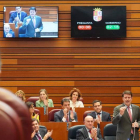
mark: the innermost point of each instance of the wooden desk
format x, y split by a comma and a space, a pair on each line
42, 117
79, 111
59, 129
15, 30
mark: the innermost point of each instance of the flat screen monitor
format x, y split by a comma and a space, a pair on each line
98, 21
30, 22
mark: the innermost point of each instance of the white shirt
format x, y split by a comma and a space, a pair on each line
89, 134
100, 115
76, 104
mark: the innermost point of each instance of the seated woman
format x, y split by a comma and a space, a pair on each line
75, 95
30, 106
44, 99
21, 95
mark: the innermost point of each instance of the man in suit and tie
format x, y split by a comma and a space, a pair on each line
88, 132
98, 114
40, 132
127, 118
32, 24
65, 114
17, 16
8, 31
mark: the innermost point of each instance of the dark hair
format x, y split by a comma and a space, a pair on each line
64, 100
95, 101
34, 119
29, 104
75, 90
127, 92
32, 8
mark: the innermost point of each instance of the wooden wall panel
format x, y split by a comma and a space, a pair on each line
101, 69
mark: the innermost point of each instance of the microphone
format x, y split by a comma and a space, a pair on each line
134, 131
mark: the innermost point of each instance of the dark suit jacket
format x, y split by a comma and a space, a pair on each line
124, 124
10, 32
105, 116
82, 134
59, 115
30, 29
42, 131
14, 15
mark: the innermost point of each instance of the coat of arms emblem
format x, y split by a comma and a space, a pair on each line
97, 14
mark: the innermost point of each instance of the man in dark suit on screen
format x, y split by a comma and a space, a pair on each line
40, 132
32, 24
8, 31
98, 114
88, 132
127, 117
65, 114
17, 16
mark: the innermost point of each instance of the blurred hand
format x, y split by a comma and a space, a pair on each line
27, 21
33, 134
45, 102
94, 133
65, 111
135, 124
17, 19
36, 115
9, 35
37, 30
122, 109
73, 109
71, 115
49, 133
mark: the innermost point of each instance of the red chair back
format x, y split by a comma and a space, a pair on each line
32, 99
86, 112
37, 111
8, 117
51, 114
21, 110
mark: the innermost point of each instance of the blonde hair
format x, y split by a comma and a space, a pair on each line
43, 90
22, 93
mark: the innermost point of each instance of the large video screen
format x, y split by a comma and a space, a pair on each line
30, 22
98, 21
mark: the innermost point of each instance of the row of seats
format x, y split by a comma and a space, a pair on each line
52, 112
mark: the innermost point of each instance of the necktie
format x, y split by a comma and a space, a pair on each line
38, 136
33, 21
67, 119
130, 116
90, 133
19, 16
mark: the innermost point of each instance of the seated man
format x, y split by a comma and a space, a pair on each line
7, 31
88, 132
17, 16
98, 114
40, 132
65, 114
